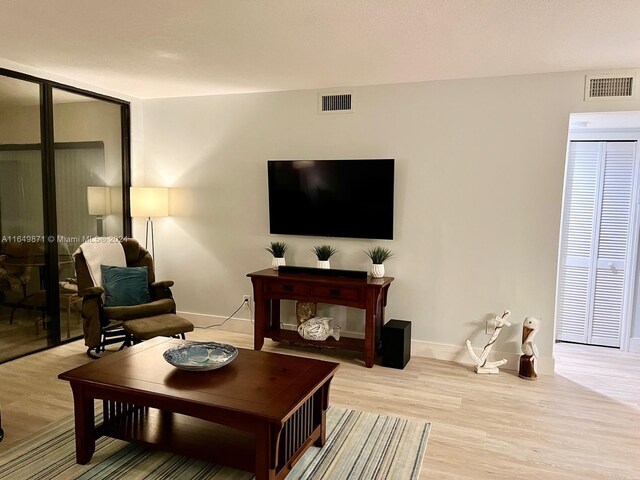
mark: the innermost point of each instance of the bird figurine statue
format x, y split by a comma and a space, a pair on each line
529, 359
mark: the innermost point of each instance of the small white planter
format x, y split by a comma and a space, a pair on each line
377, 270
277, 262
323, 264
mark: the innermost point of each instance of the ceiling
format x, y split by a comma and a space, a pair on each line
151, 48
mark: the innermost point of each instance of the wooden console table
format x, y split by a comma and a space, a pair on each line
270, 286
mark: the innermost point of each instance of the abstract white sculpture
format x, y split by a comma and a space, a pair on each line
482, 366
529, 361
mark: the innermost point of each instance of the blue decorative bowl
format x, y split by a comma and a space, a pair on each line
201, 356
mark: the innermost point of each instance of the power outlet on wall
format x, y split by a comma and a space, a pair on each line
491, 327
246, 299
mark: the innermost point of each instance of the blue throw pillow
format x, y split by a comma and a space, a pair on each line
125, 286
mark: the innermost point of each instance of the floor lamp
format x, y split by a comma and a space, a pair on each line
149, 202
99, 205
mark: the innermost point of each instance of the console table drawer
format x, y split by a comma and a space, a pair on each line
344, 293
286, 288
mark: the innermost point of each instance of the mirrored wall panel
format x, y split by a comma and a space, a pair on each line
23, 309
88, 182
63, 165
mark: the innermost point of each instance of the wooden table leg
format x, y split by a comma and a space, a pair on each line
266, 318
379, 323
84, 425
266, 441
260, 315
260, 322
370, 329
321, 405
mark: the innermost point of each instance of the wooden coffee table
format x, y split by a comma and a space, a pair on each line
260, 413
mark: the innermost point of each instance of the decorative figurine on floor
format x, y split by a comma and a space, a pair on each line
482, 366
318, 328
529, 361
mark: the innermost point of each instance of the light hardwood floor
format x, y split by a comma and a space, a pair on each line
27, 334
582, 423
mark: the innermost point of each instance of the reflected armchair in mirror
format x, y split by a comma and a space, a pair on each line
12, 276
20, 280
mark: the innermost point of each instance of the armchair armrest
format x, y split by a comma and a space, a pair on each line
160, 290
91, 292
92, 317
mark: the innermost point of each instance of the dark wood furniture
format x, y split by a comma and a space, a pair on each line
270, 286
259, 413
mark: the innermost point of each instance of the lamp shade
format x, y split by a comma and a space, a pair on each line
149, 202
98, 200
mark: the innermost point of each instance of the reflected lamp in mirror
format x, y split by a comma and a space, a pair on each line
99, 205
149, 202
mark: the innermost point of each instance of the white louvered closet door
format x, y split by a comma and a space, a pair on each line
594, 245
577, 238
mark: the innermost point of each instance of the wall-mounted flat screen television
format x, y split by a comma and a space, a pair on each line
334, 198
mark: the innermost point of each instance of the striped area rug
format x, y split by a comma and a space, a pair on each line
359, 446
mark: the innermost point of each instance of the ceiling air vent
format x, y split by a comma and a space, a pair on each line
609, 87
335, 103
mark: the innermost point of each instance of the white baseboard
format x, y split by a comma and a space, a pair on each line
634, 345
459, 354
419, 348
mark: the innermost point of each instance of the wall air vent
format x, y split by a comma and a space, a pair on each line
335, 103
609, 87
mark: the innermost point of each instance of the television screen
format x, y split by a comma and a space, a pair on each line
334, 198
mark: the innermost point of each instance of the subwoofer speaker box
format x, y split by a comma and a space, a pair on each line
396, 343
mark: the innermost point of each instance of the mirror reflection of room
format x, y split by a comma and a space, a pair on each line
21, 220
87, 166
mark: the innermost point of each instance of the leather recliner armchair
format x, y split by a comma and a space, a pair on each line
104, 326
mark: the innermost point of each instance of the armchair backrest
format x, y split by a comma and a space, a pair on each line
136, 256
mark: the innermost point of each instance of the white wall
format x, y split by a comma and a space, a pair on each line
479, 174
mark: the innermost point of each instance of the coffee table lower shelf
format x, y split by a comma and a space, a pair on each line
213, 442
184, 435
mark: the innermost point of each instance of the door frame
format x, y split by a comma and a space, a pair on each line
604, 135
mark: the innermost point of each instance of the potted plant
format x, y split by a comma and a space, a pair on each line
323, 253
277, 249
378, 255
